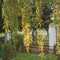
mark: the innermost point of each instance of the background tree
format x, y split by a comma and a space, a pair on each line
10, 14
1, 19
56, 22
46, 15
33, 21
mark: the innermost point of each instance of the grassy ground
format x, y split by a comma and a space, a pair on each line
24, 56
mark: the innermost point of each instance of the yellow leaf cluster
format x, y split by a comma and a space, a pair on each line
41, 45
57, 11
6, 26
27, 35
58, 48
42, 55
38, 12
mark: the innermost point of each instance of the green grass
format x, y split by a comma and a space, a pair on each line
25, 56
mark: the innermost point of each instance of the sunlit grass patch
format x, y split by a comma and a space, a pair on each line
25, 56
